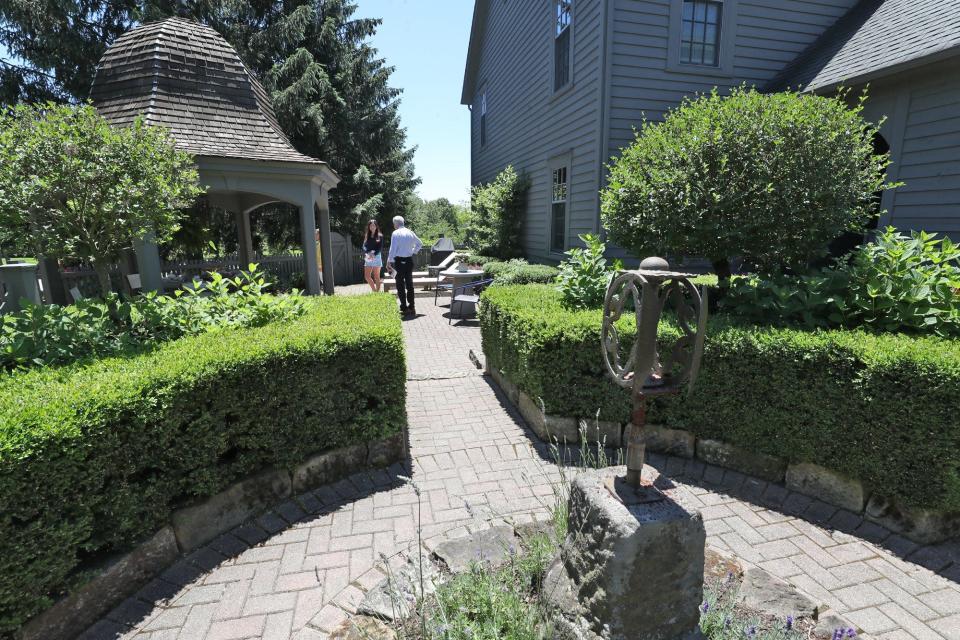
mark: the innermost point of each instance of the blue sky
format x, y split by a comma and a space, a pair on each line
426, 41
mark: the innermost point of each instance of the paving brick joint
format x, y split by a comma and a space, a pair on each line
300, 570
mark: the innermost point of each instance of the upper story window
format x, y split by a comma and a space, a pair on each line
700, 35
561, 44
483, 119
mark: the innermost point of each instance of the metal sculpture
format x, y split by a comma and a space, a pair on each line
645, 294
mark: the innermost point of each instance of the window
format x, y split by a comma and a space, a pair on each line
483, 119
561, 44
700, 35
558, 212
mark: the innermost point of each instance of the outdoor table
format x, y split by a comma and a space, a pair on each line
460, 278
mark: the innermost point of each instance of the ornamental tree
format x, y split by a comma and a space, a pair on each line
73, 186
769, 177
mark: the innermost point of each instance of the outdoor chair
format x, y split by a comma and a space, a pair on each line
471, 299
75, 294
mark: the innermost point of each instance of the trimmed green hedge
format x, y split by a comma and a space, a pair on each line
93, 458
881, 408
520, 272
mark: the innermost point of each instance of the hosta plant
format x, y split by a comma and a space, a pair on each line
895, 283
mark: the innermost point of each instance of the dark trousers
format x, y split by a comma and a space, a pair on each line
404, 268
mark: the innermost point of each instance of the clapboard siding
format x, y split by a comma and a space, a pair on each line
929, 154
527, 125
768, 35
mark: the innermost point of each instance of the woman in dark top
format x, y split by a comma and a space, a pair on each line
372, 255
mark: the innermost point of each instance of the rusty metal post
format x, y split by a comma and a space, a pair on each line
637, 438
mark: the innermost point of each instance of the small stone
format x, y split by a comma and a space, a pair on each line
363, 628
199, 524
749, 462
674, 442
827, 485
828, 622
924, 526
492, 547
393, 598
771, 595
329, 467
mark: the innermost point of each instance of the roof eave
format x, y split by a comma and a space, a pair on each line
908, 65
480, 11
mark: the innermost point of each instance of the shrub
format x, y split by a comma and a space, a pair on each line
497, 212
53, 335
881, 408
72, 186
94, 457
773, 177
585, 276
892, 284
476, 259
519, 272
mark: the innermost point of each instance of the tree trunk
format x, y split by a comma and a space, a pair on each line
721, 266
103, 275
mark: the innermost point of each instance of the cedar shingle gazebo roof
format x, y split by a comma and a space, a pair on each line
185, 77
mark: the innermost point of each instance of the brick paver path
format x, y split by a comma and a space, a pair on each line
298, 571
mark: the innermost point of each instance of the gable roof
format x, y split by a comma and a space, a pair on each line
480, 11
186, 77
876, 38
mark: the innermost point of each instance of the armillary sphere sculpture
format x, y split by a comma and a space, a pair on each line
645, 294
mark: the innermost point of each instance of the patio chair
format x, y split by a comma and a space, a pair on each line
471, 299
75, 294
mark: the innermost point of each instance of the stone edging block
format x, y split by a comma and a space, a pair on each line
193, 526
117, 579
827, 485
920, 525
748, 462
198, 524
673, 442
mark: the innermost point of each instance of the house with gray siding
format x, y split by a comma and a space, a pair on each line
556, 88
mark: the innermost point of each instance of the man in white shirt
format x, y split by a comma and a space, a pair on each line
404, 244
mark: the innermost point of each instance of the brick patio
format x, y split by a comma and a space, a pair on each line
298, 571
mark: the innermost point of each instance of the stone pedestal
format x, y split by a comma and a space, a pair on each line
637, 570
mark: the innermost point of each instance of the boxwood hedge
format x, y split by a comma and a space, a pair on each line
881, 408
93, 458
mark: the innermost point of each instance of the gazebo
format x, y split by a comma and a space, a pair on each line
185, 77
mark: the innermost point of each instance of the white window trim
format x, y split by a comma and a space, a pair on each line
553, 38
564, 161
728, 32
484, 132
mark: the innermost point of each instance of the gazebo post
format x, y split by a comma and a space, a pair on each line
148, 261
326, 241
309, 241
244, 238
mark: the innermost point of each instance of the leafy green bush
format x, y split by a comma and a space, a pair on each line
94, 457
519, 272
881, 408
895, 283
476, 259
585, 276
52, 335
773, 177
73, 186
496, 218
